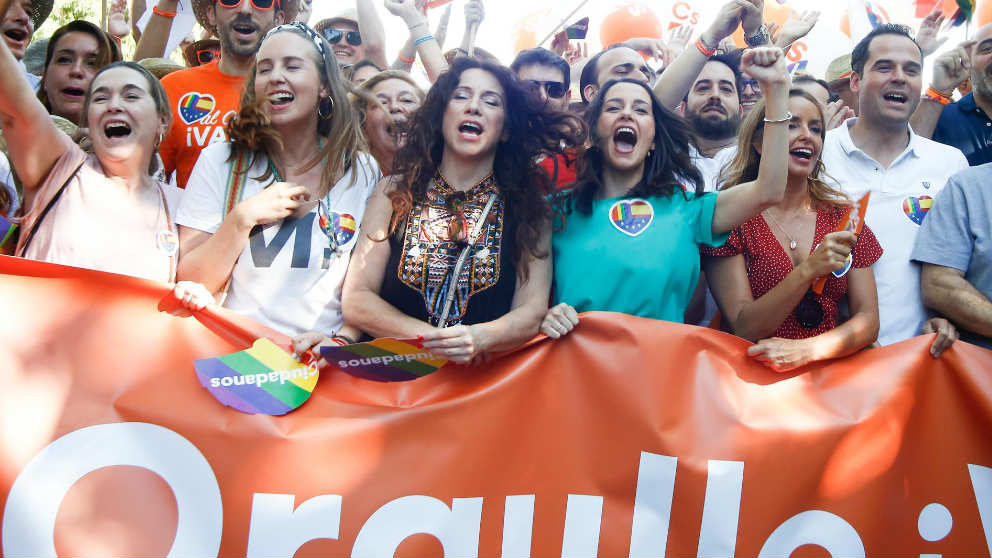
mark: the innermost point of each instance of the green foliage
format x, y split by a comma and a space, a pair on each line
66, 11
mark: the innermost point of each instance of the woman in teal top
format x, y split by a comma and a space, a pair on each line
630, 230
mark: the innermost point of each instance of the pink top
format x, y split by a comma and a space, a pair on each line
768, 264
99, 224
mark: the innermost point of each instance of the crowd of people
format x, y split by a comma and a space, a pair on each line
293, 175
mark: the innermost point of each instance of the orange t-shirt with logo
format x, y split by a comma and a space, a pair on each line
203, 100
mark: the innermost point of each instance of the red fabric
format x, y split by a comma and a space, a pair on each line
768, 264
567, 171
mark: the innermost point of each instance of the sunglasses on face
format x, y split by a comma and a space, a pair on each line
257, 4
554, 89
205, 56
755, 86
809, 313
333, 36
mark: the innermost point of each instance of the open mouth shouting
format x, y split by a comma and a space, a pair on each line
74, 94
802, 154
279, 100
624, 139
895, 98
17, 37
116, 129
244, 31
470, 130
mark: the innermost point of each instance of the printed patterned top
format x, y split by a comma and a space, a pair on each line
768, 264
423, 253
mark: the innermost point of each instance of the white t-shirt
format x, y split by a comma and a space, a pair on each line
288, 277
900, 198
710, 167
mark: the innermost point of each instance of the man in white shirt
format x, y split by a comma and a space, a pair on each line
878, 152
19, 22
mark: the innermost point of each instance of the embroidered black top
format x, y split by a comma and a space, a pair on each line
423, 254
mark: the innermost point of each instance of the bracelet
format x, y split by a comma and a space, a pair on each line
166, 15
703, 49
786, 118
342, 339
423, 40
405, 59
936, 96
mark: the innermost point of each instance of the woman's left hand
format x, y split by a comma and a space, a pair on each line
459, 343
781, 355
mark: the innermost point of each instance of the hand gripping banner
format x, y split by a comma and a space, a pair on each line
629, 437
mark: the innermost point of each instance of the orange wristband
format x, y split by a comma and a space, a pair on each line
167, 15
405, 59
703, 49
937, 96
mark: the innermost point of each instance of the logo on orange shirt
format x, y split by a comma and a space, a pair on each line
194, 106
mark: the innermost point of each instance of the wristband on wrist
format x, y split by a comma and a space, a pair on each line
936, 96
163, 13
423, 40
703, 49
405, 59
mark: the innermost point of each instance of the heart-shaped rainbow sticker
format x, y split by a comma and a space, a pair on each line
916, 208
194, 106
631, 217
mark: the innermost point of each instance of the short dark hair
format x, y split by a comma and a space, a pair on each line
363, 63
731, 60
859, 56
590, 72
544, 57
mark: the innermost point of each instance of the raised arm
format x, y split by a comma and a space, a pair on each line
475, 12
372, 31
675, 83
740, 203
155, 37
950, 70
796, 27
420, 35
35, 143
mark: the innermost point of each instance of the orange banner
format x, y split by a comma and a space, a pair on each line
628, 437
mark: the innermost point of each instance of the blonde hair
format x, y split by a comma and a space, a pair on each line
744, 166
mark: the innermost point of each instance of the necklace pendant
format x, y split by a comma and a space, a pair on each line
793, 244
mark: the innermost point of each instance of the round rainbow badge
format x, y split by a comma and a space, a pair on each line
264, 379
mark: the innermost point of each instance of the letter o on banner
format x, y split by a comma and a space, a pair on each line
817, 527
34, 499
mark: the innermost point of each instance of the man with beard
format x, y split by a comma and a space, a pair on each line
18, 25
879, 152
205, 98
965, 124
713, 109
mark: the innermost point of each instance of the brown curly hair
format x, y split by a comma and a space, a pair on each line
251, 134
531, 130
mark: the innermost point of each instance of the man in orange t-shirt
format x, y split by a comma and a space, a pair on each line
205, 98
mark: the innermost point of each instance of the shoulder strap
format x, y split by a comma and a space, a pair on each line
33, 227
236, 179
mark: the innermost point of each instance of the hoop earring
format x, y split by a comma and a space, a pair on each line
322, 113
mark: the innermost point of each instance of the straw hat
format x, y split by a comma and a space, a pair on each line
40, 9
348, 16
840, 68
160, 67
189, 53
200, 7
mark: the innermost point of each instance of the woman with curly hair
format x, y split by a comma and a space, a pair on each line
762, 277
455, 246
632, 227
271, 216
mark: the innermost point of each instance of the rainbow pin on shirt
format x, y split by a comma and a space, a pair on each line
383, 360
264, 379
